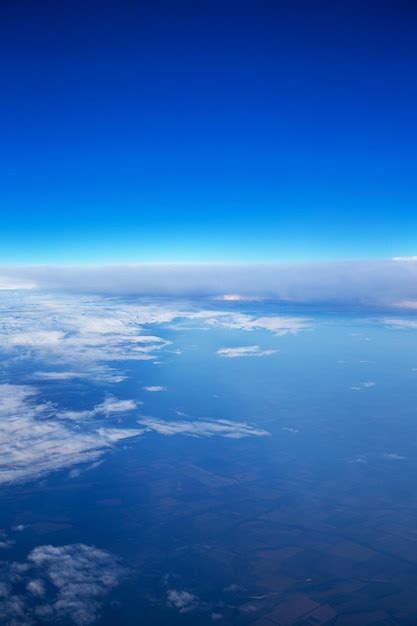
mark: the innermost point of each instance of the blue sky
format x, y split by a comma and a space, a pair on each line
195, 131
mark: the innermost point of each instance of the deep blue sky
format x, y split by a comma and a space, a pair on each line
219, 131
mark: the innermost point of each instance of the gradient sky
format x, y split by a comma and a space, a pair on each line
211, 131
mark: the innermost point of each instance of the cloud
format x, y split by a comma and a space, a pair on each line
183, 601
79, 336
14, 284
81, 574
86, 337
245, 351
57, 376
36, 587
33, 442
369, 282
203, 428
365, 385
154, 388
67, 582
36, 439
277, 324
110, 406
236, 297
402, 324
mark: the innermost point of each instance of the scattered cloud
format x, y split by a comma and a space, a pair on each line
86, 337
67, 582
110, 406
365, 385
276, 324
360, 460
393, 456
183, 601
20, 527
154, 388
203, 428
57, 376
36, 587
401, 323
33, 442
245, 351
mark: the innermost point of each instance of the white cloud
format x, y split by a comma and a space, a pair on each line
19, 528
367, 282
183, 601
41, 338
81, 335
203, 428
401, 323
277, 324
87, 336
56, 376
154, 388
33, 443
365, 385
81, 574
110, 406
236, 297
36, 587
406, 304
7, 283
245, 351
63, 583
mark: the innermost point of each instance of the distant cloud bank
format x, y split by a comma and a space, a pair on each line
390, 282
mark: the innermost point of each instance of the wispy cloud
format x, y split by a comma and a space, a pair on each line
33, 442
110, 406
87, 336
203, 428
276, 324
401, 323
154, 388
367, 384
245, 351
57, 376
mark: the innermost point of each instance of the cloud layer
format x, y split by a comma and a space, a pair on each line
372, 282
